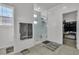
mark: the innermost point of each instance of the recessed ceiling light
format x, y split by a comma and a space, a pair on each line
35, 22
35, 16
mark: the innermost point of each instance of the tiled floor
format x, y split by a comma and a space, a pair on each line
70, 42
62, 50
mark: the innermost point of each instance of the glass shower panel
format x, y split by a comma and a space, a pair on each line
40, 29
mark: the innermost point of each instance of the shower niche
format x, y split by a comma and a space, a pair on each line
25, 31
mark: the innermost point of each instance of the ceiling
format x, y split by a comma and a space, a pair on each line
47, 6
44, 6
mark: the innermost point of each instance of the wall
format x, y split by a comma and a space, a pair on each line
6, 33
23, 13
55, 19
72, 16
6, 36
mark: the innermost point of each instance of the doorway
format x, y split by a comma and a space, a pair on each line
69, 28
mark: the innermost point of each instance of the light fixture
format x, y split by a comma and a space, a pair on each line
35, 16
35, 22
37, 9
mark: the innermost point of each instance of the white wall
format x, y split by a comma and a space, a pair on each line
72, 16
55, 19
6, 33
23, 13
54, 26
6, 36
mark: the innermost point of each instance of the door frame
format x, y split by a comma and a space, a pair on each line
76, 25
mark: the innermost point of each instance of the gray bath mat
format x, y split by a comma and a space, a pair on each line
51, 45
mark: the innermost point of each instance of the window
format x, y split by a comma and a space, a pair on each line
7, 12
6, 15
0, 10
